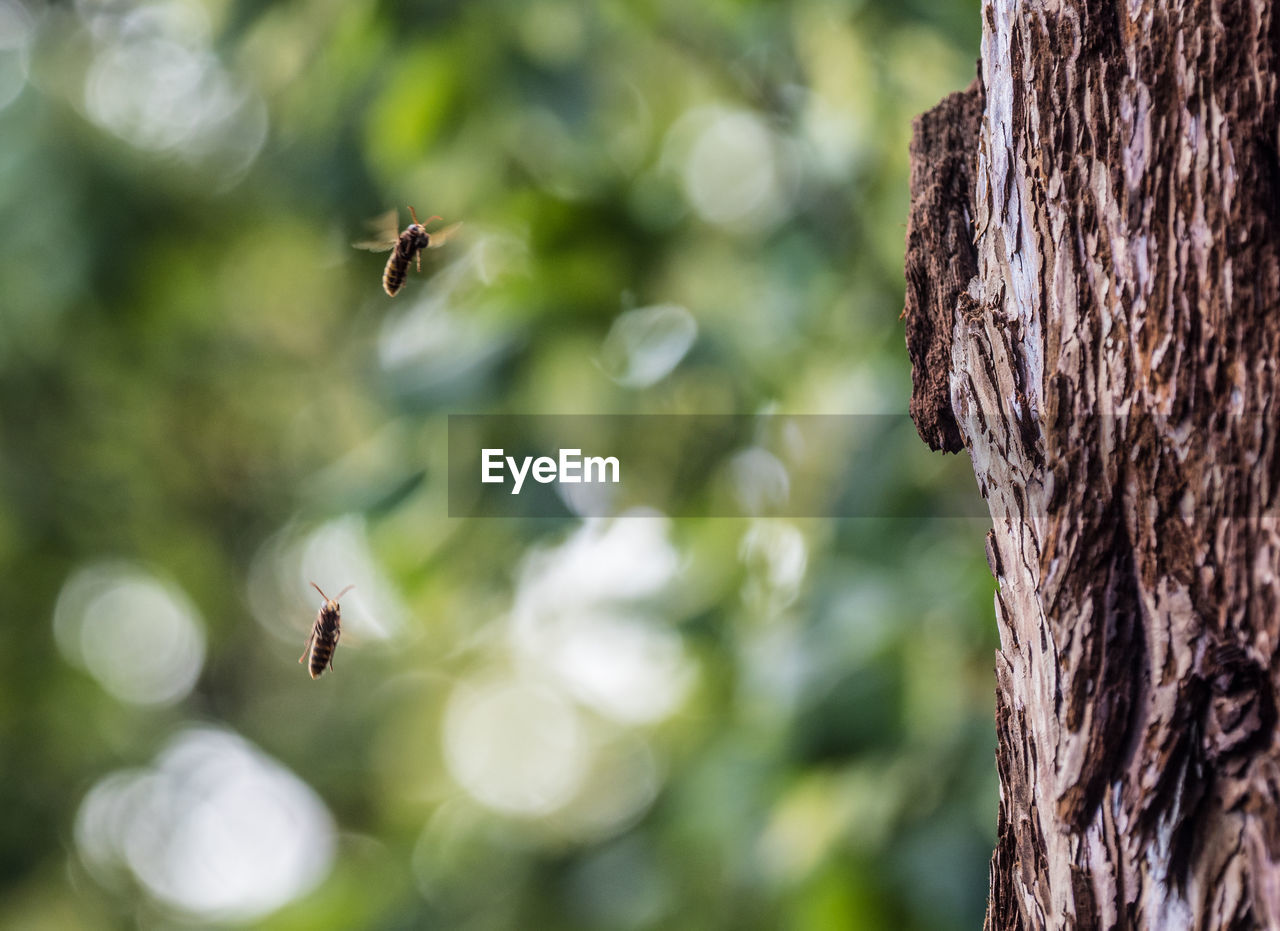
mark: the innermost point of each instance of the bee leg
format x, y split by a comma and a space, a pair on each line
418, 258
307, 648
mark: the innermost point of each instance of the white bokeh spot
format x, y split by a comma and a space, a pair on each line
213, 828
140, 637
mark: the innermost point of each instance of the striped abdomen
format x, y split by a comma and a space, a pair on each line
411, 241
324, 639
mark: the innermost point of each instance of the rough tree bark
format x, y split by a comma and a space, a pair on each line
1093, 312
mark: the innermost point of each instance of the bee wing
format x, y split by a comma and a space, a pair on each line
383, 231
374, 245
441, 236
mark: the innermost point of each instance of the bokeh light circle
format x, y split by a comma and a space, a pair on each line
214, 828
515, 746
140, 637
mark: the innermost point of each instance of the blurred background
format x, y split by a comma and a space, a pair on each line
206, 401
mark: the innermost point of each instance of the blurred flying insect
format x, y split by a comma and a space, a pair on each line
407, 246
324, 634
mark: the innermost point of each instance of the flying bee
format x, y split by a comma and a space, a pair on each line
324, 634
407, 246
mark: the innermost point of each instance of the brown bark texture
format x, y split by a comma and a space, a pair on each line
1093, 312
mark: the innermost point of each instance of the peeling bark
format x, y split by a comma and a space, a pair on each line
941, 258
1111, 367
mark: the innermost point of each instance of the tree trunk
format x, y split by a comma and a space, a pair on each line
1093, 312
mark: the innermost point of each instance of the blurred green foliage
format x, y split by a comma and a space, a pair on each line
206, 400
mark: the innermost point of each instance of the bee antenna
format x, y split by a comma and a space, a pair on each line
322, 594
343, 592
415, 216
436, 217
